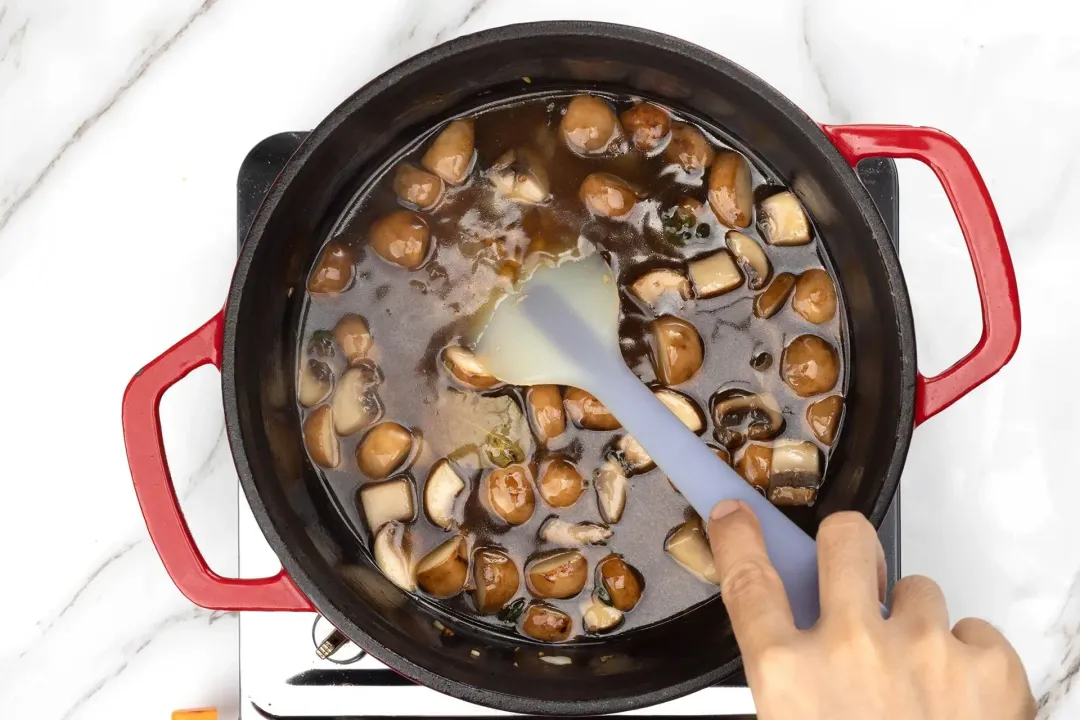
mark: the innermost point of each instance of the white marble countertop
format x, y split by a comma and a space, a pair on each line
122, 125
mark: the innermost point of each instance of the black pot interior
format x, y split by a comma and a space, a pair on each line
645, 666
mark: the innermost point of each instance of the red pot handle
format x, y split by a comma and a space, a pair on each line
986, 245
157, 495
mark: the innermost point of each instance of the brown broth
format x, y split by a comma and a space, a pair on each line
414, 315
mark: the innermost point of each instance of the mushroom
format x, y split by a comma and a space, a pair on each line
784, 495
560, 483
519, 175
751, 257
546, 413
451, 154
322, 443
714, 274
560, 576
402, 238
465, 366
441, 492
677, 349
795, 464
810, 366
824, 417
417, 187
755, 465
769, 302
388, 500
611, 487
688, 148
443, 571
689, 547
356, 404
783, 221
634, 457
599, 617
589, 125
731, 193
739, 415
761, 361
684, 408
333, 272
495, 580
647, 126
545, 623
622, 581
607, 195
560, 532
815, 296
510, 494
721, 453
353, 337
655, 286
383, 450
588, 412
315, 382
321, 344
393, 555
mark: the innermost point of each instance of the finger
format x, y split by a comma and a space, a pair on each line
749, 585
918, 601
1000, 664
979, 633
851, 566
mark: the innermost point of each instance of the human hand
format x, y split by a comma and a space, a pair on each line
854, 664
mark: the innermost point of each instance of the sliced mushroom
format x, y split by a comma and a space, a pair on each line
599, 617
721, 453
783, 220
792, 495
383, 449
560, 532
546, 413
684, 408
795, 464
560, 483
769, 302
633, 456
558, 576
755, 465
611, 487
761, 361
647, 125
751, 257
589, 125
443, 571
689, 547
417, 187
393, 554
677, 349
441, 492
510, 494
315, 383
714, 274
824, 418
467, 368
356, 404
545, 623
739, 415
607, 195
321, 344
810, 366
451, 154
731, 193
388, 500
333, 272
622, 581
353, 337
322, 444
688, 148
519, 175
656, 286
495, 580
815, 296
402, 238
588, 412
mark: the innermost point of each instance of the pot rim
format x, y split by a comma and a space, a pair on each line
294, 565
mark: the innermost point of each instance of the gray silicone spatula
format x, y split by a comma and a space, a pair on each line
562, 327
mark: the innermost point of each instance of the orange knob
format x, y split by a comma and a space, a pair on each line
201, 714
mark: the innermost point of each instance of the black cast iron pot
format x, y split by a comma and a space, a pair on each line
252, 341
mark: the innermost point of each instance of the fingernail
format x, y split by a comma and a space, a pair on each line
723, 509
